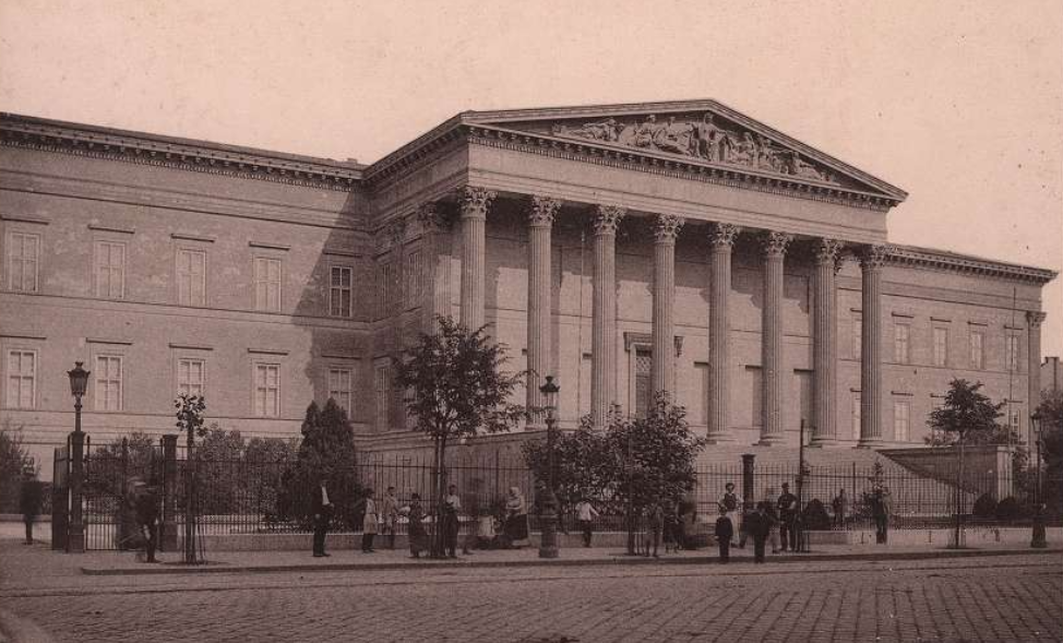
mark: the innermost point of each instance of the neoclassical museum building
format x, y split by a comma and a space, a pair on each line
625, 249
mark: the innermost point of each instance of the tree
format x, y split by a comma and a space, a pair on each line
14, 458
326, 452
219, 470
580, 464
1050, 411
190, 410
457, 388
966, 412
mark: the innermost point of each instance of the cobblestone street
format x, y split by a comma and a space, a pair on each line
1013, 598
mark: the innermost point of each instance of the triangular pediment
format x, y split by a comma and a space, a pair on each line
701, 132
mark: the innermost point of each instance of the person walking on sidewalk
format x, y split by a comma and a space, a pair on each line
586, 513
787, 506
724, 533
369, 523
321, 509
451, 521
30, 499
389, 516
415, 526
146, 506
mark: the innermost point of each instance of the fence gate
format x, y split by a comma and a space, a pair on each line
110, 519
60, 496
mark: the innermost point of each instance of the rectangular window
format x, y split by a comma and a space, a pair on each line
901, 333
643, 381
941, 346
756, 389
856, 412
110, 269
858, 336
267, 284
340, 288
382, 382
23, 252
386, 288
901, 412
977, 346
1015, 417
414, 279
190, 376
21, 379
1011, 352
108, 374
339, 387
267, 390
191, 277
699, 405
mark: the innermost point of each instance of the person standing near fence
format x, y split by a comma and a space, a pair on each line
880, 513
724, 533
451, 521
30, 499
321, 509
654, 526
389, 515
369, 523
586, 513
146, 505
840, 505
415, 525
787, 507
516, 525
759, 527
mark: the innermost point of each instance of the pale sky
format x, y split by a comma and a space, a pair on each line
959, 103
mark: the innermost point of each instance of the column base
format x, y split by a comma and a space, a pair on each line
719, 438
872, 443
824, 443
771, 440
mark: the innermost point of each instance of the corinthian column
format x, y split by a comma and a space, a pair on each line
540, 221
474, 204
825, 344
436, 282
722, 238
871, 260
1034, 319
772, 366
665, 233
603, 331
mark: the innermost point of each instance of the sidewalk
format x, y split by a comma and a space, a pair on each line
114, 563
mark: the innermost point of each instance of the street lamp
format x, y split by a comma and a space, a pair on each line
548, 507
1037, 540
75, 542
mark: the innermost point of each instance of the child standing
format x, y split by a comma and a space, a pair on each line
724, 534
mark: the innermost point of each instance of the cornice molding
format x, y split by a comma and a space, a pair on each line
231, 161
924, 258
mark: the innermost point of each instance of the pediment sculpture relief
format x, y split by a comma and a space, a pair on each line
702, 139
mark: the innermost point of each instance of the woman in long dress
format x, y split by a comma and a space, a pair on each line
516, 526
415, 527
369, 523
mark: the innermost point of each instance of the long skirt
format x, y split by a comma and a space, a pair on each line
516, 529
417, 536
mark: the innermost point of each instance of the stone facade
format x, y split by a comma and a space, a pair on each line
696, 252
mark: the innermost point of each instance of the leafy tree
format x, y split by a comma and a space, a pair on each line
190, 410
219, 470
457, 388
1051, 426
266, 460
580, 464
968, 416
326, 452
14, 458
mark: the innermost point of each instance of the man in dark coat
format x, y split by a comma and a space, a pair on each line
787, 506
146, 506
759, 527
30, 499
724, 533
321, 510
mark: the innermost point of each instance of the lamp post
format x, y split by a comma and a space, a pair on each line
548, 507
75, 542
1037, 540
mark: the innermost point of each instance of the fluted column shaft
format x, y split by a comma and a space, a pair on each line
871, 260
603, 330
540, 224
825, 344
474, 204
663, 373
772, 358
721, 237
1034, 319
435, 294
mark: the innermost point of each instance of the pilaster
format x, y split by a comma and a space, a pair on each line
1034, 319
436, 291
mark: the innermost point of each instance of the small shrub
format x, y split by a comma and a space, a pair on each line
985, 507
1009, 509
815, 516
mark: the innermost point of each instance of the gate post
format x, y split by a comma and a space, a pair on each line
748, 493
60, 497
76, 531
169, 497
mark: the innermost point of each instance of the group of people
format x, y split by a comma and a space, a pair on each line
509, 530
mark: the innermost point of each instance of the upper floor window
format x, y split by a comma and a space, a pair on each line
110, 269
21, 379
339, 387
267, 284
383, 389
23, 253
414, 279
901, 333
941, 346
386, 290
267, 387
191, 277
191, 374
1011, 352
901, 415
340, 287
977, 349
108, 375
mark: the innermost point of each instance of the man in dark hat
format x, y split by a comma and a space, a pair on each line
29, 501
321, 510
146, 506
787, 507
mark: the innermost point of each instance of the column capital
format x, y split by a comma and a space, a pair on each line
475, 201
872, 257
392, 234
774, 243
666, 228
723, 234
828, 251
542, 210
1035, 318
607, 219
431, 217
